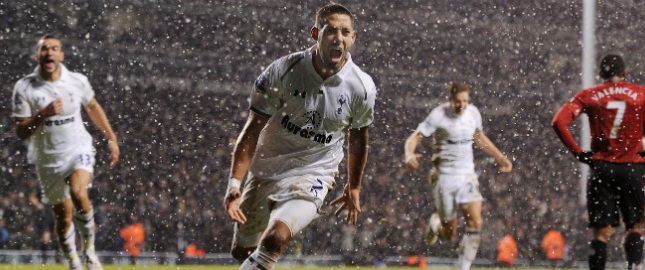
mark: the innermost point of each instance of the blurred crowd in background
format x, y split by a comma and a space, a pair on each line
174, 79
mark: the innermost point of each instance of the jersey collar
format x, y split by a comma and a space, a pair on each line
341, 75
63, 73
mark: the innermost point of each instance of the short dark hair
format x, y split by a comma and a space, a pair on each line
611, 65
456, 88
332, 8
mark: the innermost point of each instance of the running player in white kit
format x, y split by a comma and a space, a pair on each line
455, 125
303, 106
47, 110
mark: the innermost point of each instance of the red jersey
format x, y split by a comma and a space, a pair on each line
616, 113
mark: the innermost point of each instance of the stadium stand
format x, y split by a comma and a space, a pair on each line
174, 78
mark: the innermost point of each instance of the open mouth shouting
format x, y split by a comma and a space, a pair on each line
336, 57
336, 54
49, 64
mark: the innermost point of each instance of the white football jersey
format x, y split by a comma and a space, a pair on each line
452, 144
59, 134
309, 116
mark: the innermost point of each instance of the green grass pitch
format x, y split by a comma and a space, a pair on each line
216, 267
201, 267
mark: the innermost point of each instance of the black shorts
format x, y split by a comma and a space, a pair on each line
614, 190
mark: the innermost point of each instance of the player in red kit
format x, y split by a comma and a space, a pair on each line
616, 111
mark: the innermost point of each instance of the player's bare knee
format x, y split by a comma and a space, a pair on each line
79, 195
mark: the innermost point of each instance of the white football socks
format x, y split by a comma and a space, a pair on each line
68, 245
468, 248
86, 227
260, 259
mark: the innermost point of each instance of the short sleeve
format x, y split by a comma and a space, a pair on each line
20, 107
478, 119
427, 127
265, 97
364, 109
87, 93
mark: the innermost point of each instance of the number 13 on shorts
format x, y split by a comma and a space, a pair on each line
84, 159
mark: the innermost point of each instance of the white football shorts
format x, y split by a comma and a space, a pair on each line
296, 201
52, 177
452, 190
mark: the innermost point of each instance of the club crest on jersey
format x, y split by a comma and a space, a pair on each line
313, 121
341, 100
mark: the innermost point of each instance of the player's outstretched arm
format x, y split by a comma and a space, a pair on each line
356, 160
98, 117
411, 158
242, 155
489, 147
